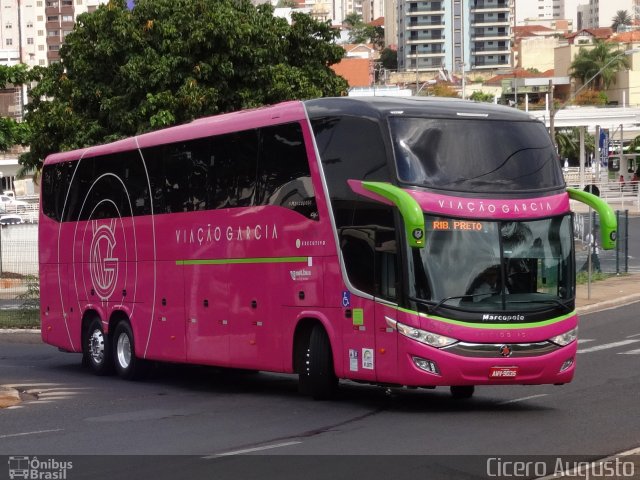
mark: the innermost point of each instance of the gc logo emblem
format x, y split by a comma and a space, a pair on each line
102, 263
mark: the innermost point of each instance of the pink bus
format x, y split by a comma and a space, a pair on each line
399, 242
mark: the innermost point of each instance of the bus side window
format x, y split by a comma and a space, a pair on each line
234, 159
177, 163
370, 251
284, 178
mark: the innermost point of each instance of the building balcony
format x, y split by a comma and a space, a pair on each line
425, 40
494, 51
426, 54
493, 36
490, 22
484, 5
425, 26
422, 7
487, 63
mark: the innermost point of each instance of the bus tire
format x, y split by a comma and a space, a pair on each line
128, 365
462, 392
96, 349
317, 375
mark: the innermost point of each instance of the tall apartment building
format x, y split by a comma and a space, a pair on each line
31, 32
337, 10
454, 35
534, 9
600, 13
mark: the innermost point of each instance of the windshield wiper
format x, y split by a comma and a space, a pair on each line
434, 308
563, 305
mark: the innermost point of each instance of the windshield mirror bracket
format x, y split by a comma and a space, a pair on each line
409, 208
608, 222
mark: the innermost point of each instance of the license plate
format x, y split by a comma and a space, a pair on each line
503, 372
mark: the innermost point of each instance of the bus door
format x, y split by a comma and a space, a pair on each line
386, 310
369, 253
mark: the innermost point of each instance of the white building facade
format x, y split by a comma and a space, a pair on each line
455, 35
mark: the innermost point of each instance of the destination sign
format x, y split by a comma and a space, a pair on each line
439, 225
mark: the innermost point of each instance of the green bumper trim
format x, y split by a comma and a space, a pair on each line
409, 209
492, 326
236, 261
608, 222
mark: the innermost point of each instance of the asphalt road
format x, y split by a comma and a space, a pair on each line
206, 419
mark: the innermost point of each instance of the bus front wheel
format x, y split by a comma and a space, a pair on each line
128, 365
317, 375
96, 349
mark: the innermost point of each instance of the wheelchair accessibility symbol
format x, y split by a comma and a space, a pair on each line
346, 299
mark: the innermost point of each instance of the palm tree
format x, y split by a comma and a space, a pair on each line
621, 18
600, 63
568, 141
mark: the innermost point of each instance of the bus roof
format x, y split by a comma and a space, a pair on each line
202, 127
377, 107
421, 106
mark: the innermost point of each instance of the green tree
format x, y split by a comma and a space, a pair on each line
389, 59
11, 132
125, 72
479, 96
621, 18
603, 61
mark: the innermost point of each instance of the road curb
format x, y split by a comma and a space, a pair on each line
608, 304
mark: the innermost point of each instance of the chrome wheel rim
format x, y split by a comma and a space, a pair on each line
96, 347
123, 351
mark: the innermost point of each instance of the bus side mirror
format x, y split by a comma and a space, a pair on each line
608, 222
409, 208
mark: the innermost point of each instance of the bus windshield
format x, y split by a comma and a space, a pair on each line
454, 154
481, 265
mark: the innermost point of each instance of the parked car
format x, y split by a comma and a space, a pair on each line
8, 204
10, 220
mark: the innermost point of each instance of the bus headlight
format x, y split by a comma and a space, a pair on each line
565, 338
422, 336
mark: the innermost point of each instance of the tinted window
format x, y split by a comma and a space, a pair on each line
54, 177
234, 158
475, 155
108, 186
369, 250
284, 176
350, 148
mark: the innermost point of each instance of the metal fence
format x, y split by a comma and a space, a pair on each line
19, 285
605, 261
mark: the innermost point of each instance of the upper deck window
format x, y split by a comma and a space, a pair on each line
475, 155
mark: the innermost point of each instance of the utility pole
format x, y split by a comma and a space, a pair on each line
552, 114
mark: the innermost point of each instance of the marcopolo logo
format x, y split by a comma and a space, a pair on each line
38, 469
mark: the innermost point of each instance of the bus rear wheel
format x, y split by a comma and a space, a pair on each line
96, 349
128, 365
317, 375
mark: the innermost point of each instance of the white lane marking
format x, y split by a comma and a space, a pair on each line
251, 450
606, 346
632, 336
630, 352
523, 399
585, 340
31, 433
